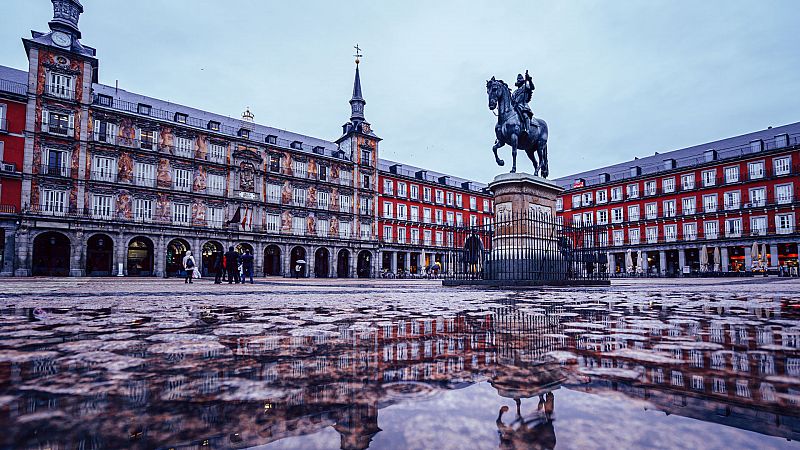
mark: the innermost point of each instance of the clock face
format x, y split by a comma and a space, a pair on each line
61, 39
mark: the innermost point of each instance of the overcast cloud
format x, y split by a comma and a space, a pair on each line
613, 80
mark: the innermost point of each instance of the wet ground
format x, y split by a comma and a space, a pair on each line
96, 364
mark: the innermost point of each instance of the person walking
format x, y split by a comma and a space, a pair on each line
232, 263
297, 269
188, 266
247, 267
218, 267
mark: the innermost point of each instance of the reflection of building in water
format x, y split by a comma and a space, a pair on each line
732, 366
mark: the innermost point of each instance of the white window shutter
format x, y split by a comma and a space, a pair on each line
71, 122
45, 118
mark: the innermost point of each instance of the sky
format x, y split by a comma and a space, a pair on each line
614, 79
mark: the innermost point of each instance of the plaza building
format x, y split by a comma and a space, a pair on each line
419, 212
734, 199
100, 181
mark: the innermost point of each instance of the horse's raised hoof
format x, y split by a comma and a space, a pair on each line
514, 170
500, 162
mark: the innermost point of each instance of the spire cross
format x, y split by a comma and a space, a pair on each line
358, 54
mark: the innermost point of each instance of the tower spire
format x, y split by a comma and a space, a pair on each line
357, 102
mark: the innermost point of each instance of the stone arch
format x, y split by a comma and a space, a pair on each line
51, 254
298, 254
364, 264
242, 247
207, 256
322, 263
99, 255
272, 260
141, 251
343, 263
176, 250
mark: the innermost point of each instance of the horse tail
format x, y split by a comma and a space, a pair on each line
543, 162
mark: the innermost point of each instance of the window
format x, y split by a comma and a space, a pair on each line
449, 196
180, 117
323, 200
366, 157
415, 236
387, 233
58, 123
602, 196
669, 208
732, 200
576, 219
144, 174
459, 219
473, 220
182, 180
559, 204
214, 216
586, 198
427, 237
275, 163
650, 187
56, 163
184, 147
733, 227
415, 214
365, 206
143, 109
670, 232
616, 215
633, 236
459, 201
54, 202
104, 168
439, 217
344, 230
782, 166
216, 153
783, 193
633, 190
633, 213
439, 196
273, 223
709, 177
688, 206
619, 237
602, 217
710, 203
758, 197
366, 231
426, 215
346, 178
576, 201
755, 170
473, 205
439, 238
213, 126
668, 185
401, 211
387, 210
271, 139
401, 189
414, 192
758, 226
486, 206
180, 213
616, 194
300, 169
299, 197
147, 139
322, 173
365, 181
298, 225
426, 194
388, 187
401, 235
711, 229
687, 181
784, 223
143, 210
103, 131
651, 210
216, 184
451, 218
732, 174
60, 85
651, 234
323, 227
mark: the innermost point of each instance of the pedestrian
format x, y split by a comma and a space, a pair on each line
232, 263
218, 267
247, 266
297, 269
224, 267
188, 266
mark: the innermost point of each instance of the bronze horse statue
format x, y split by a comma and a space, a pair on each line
509, 130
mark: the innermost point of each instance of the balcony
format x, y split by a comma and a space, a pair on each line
59, 92
54, 171
59, 129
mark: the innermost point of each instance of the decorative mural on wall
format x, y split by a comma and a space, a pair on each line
198, 213
166, 140
164, 176
125, 168
312, 169
311, 200
162, 209
199, 184
124, 210
286, 193
287, 164
201, 148
286, 222
334, 227
126, 133
334, 171
247, 179
311, 224
334, 203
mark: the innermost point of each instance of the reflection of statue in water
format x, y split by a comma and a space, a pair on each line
529, 432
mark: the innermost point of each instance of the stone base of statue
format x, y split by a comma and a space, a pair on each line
528, 245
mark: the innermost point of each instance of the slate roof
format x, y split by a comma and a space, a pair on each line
430, 175
687, 157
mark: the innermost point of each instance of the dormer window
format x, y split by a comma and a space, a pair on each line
180, 117
244, 133
297, 145
272, 139
105, 100
320, 150
143, 109
213, 126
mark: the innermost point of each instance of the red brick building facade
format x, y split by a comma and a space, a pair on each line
13, 99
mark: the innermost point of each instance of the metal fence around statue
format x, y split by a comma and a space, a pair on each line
530, 248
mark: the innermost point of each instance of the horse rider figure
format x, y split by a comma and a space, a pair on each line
520, 99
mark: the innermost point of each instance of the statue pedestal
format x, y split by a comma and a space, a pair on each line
518, 193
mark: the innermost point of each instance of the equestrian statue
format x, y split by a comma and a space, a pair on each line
516, 125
